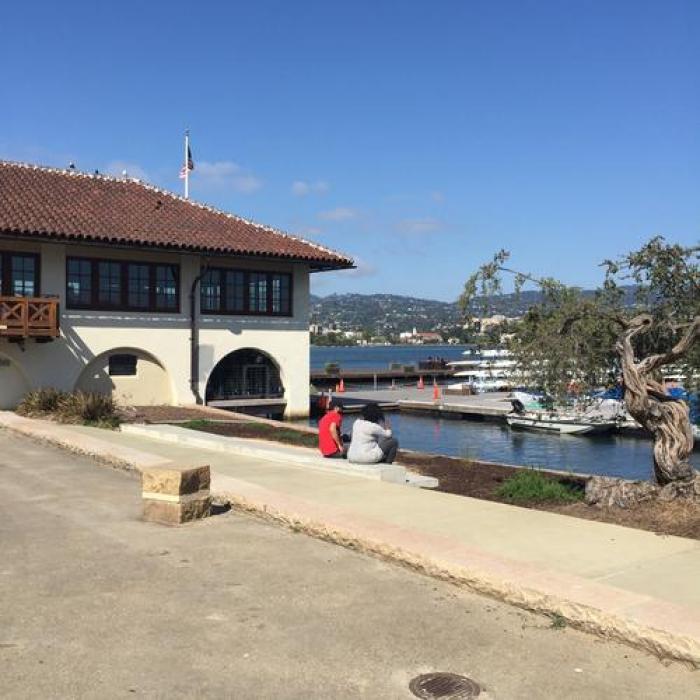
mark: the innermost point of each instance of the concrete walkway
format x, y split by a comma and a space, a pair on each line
628, 584
96, 603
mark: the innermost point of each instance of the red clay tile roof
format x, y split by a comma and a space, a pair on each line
70, 205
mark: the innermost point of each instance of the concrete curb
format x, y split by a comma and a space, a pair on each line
286, 454
662, 628
55, 434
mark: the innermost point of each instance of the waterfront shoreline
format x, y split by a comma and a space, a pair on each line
472, 478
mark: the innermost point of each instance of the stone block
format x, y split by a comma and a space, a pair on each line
176, 495
176, 513
175, 481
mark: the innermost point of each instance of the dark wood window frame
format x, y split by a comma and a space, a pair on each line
123, 304
246, 293
122, 365
6, 270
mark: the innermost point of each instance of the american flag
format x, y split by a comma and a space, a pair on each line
188, 166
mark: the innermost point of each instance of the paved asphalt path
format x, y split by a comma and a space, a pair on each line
95, 603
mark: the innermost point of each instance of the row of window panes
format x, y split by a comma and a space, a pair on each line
104, 284
240, 292
19, 274
99, 284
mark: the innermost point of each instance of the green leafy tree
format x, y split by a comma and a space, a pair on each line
568, 338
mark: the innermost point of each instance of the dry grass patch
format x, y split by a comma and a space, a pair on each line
77, 407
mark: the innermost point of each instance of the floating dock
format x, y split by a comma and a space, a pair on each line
492, 406
322, 378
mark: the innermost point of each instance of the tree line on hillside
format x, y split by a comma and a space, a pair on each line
388, 315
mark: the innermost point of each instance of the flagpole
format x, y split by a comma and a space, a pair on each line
187, 169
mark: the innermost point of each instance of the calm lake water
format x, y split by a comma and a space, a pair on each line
494, 442
609, 455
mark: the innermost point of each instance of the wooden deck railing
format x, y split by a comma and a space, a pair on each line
28, 317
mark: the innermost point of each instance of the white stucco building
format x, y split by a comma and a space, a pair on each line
113, 285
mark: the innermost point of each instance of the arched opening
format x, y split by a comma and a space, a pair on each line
245, 374
132, 376
13, 383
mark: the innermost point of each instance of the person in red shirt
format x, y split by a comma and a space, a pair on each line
330, 436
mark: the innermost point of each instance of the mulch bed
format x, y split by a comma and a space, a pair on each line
167, 414
260, 431
462, 477
481, 480
671, 518
466, 477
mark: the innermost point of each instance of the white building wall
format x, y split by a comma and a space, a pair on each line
86, 335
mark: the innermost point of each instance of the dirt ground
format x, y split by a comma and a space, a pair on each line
462, 477
481, 480
167, 414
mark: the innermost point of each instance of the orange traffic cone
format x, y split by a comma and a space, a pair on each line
341, 386
421, 383
337, 389
436, 391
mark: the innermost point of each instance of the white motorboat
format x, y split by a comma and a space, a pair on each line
552, 422
527, 415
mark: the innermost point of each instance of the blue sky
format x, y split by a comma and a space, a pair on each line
419, 137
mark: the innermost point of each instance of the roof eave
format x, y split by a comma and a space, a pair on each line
317, 264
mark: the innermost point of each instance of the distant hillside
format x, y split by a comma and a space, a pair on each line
392, 313
388, 313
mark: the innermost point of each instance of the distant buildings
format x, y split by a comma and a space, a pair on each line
341, 329
416, 338
483, 324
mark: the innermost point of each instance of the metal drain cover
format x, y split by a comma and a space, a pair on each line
448, 686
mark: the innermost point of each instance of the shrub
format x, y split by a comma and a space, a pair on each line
40, 402
88, 408
531, 486
75, 407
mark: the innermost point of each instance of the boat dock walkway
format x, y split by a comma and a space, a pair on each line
322, 378
491, 406
253, 406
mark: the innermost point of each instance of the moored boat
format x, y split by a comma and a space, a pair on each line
530, 413
559, 423
484, 371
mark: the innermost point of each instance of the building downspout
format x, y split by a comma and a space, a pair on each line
194, 338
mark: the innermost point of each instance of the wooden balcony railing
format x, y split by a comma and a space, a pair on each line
28, 317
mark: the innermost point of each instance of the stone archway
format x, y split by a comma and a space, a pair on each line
245, 374
13, 383
132, 376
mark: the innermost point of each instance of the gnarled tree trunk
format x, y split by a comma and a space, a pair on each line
667, 419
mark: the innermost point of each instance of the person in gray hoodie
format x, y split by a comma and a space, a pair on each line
371, 441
